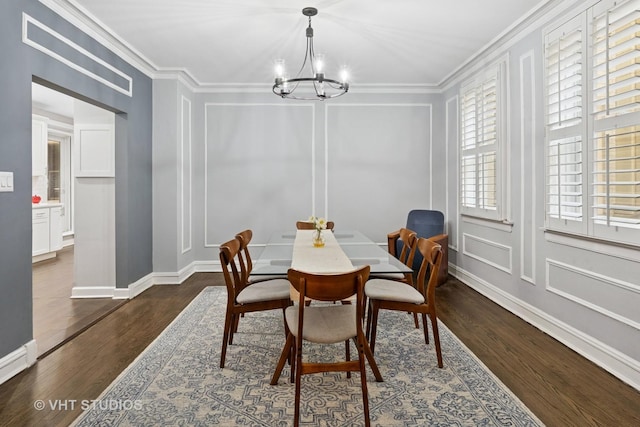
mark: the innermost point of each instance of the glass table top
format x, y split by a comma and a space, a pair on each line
276, 257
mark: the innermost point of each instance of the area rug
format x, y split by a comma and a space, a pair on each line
177, 381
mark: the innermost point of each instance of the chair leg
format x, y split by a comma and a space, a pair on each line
363, 383
426, 329
374, 326
296, 416
436, 337
415, 320
284, 356
347, 351
235, 319
292, 371
368, 316
225, 337
237, 322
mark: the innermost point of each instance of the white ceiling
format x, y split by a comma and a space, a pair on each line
234, 42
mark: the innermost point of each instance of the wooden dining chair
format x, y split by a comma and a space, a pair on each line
392, 295
245, 237
245, 297
326, 324
406, 253
402, 245
306, 225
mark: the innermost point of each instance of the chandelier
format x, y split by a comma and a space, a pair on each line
317, 87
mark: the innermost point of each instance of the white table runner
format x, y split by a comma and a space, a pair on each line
328, 259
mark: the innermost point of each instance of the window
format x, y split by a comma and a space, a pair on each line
593, 123
481, 135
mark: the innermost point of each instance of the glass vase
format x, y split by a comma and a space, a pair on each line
318, 239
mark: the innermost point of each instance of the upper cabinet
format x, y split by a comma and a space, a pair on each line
39, 129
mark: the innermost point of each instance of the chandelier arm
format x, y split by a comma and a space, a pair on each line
304, 62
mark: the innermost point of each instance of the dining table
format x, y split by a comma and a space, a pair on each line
278, 253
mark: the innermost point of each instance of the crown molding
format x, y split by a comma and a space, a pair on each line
92, 26
542, 13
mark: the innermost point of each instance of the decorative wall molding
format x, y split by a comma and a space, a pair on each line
94, 151
594, 245
467, 238
608, 358
429, 106
208, 105
452, 142
527, 167
86, 22
186, 172
602, 279
30, 22
18, 360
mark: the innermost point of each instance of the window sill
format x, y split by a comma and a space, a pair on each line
502, 225
593, 244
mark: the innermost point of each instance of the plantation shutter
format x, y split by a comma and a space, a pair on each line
616, 115
565, 126
479, 145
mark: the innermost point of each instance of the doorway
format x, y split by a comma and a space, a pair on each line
56, 316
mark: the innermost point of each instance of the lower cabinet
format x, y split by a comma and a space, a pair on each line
47, 231
41, 232
55, 229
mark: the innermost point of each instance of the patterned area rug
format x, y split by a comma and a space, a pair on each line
177, 379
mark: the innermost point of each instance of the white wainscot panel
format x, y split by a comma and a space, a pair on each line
604, 294
258, 168
495, 254
377, 153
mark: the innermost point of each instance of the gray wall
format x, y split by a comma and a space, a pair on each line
20, 64
262, 163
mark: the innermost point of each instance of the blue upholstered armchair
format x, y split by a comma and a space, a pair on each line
429, 224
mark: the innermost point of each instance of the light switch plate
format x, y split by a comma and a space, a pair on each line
6, 182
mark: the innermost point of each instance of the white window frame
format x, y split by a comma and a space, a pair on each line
478, 209
593, 122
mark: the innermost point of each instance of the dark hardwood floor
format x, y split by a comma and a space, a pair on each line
56, 317
559, 386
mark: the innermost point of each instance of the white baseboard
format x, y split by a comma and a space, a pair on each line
134, 289
43, 257
613, 361
92, 292
169, 278
18, 360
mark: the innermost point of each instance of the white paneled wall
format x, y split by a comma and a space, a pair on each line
260, 164
378, 164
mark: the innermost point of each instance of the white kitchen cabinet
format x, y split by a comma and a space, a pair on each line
39, 135
41, 232
47, 231
55, 228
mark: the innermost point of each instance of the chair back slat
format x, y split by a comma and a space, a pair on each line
244, 256
431, 258
234, 277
